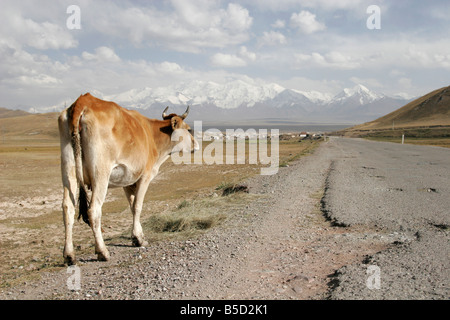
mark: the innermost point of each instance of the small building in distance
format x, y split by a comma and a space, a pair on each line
304, 135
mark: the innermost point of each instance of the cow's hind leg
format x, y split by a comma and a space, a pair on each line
135, 195
68, 207
70, 186
99, 191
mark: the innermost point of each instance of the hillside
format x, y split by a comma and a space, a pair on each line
23, 125
6, 113
430, 111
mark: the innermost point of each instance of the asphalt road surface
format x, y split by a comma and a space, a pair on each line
401, 188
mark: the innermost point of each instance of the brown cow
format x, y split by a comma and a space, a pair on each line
104, 145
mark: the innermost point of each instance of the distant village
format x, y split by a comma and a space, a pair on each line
210, 135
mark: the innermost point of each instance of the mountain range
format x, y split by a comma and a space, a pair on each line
241, 101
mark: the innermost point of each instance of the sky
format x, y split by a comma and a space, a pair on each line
53, 51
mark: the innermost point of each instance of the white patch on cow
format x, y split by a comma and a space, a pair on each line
120, 176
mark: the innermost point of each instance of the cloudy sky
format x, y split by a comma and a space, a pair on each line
300, 44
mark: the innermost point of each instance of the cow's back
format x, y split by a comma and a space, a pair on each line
112, 122
112, 135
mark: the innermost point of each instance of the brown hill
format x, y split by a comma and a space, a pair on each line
21, 124
431, 110
6, 113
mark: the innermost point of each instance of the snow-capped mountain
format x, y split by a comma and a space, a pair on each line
360, 104
358, 93
228, 96
252, 100
317, 97
241, 100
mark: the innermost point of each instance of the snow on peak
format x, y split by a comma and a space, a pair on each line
315, 96
229, 95
358, 92
235, 93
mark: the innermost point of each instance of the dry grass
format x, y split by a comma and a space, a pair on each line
436, 136
190, 219
182, 202
437, 142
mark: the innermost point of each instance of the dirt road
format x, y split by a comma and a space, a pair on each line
286, 239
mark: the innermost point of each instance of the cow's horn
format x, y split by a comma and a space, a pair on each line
164, 112
185, 114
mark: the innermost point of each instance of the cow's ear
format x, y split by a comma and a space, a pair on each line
176, 122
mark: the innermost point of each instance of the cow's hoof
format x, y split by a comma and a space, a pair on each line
138, 242
70, 260
103, 256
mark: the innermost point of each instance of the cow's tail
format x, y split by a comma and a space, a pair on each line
83, 199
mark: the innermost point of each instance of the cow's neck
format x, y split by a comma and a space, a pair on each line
162, 131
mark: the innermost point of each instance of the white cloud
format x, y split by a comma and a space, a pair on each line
227, 60
194, 13
236, 18
279, 24
332, 60
244, 53
340, 60
362, 52
272, 38
306, 22
45, 35
189, 27
170, 68
102, 54
20, 68
41, 79
240, 59
426, 58
19, 32
204, 14
284, 5
333, 5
